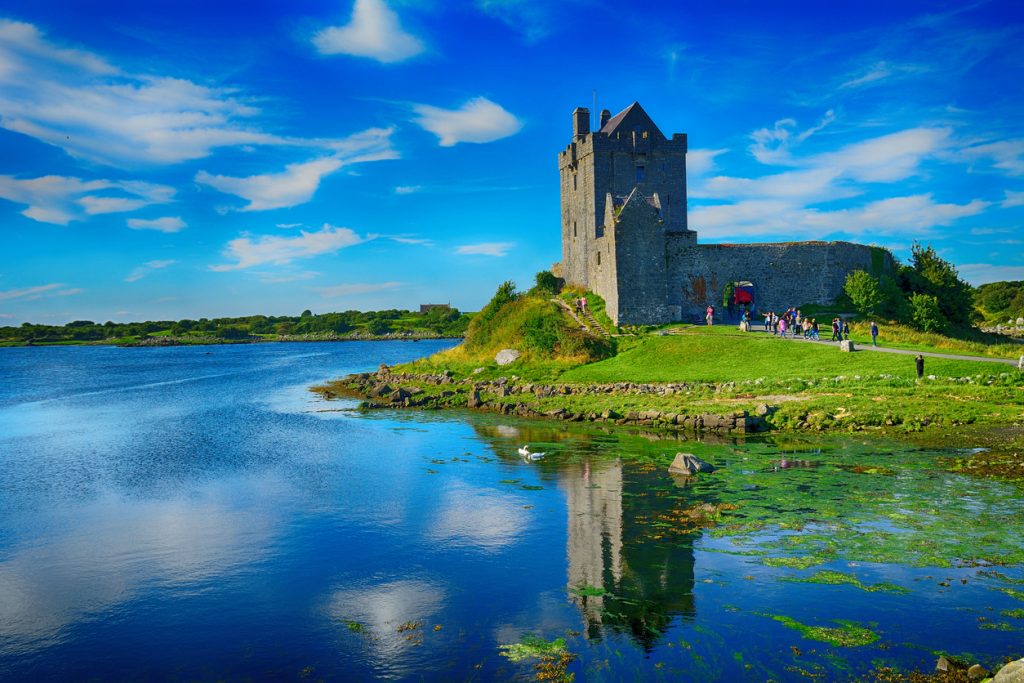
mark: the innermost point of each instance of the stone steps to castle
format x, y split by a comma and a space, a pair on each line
587, 324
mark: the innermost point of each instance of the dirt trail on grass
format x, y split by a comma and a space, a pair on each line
905, 352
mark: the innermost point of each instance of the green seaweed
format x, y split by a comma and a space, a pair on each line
355, 626
533, 647
834, 578
847, 634
589, 591
793, 562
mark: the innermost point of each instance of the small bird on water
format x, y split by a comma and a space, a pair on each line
525, 452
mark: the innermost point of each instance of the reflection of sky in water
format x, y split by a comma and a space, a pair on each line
197, 513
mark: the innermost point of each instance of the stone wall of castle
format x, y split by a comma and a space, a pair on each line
783, 274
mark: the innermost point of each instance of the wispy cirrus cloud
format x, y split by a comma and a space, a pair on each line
298, 182
62, 199
147, 268
374, 31
914, 214
356, 288
119, 118
1012, 199
167, 224
532, 18
478, 120
485, 249
38, 292
983, 273
248, 251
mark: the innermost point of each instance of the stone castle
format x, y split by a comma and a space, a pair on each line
625, 234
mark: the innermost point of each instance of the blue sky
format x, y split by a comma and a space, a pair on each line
163, 160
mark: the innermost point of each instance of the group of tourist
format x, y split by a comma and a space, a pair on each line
581, 305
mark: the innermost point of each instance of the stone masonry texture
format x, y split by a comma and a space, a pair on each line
625, 234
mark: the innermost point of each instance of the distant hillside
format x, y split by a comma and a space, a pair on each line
443, 322
998, 302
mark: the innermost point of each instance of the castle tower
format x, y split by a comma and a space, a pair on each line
628, 153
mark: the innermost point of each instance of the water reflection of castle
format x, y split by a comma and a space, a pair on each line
611, 546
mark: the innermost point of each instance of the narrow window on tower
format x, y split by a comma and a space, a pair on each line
598, 258
574, 228
573, 181
639, 174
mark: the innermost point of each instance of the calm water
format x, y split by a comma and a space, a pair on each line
196, 514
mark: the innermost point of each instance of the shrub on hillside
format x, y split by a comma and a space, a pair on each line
547, 283
864, 291
926, 314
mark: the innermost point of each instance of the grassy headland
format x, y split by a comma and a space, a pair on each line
692, 377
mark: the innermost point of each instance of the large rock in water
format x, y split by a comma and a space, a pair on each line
689, 465
1011, 673
506, 356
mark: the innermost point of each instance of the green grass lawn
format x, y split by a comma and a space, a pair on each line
724, 354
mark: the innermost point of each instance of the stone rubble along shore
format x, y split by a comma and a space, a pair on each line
384, 389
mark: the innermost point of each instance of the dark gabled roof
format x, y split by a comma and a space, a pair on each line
631, 118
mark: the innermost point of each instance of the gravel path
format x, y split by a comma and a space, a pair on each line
905, 352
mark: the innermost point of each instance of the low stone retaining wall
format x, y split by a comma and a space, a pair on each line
511, 396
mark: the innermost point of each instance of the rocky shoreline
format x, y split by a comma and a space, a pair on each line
513, 396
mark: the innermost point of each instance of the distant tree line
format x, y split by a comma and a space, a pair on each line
1001, 302
926, 294
445, 322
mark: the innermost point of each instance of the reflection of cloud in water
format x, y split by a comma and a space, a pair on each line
507, 431
383, 608
479, 518
105, 554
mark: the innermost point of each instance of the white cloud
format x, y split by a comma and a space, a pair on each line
408, 189
288, 226
299, 182
916, 214
478, 120
148, 267
983, 273
164, 224
249, 251
62, 199
485, 248
532, 18
374, 31
412, 240
773, 146
29, 292
876, 72
699, 162
77, 101
1012, 199
356, 288
1005, 155
887, 158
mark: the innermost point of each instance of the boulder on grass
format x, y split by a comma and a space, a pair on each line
847, 345
689, 464
506, 356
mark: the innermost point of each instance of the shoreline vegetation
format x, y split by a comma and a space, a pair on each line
530, 355
433, 322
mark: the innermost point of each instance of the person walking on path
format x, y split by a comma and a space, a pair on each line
846, 330
919, 362
710, 317
814, 329
874, 333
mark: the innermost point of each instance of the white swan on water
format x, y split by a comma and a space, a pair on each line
525, 452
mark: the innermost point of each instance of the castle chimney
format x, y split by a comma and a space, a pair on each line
605, 115
580, 121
